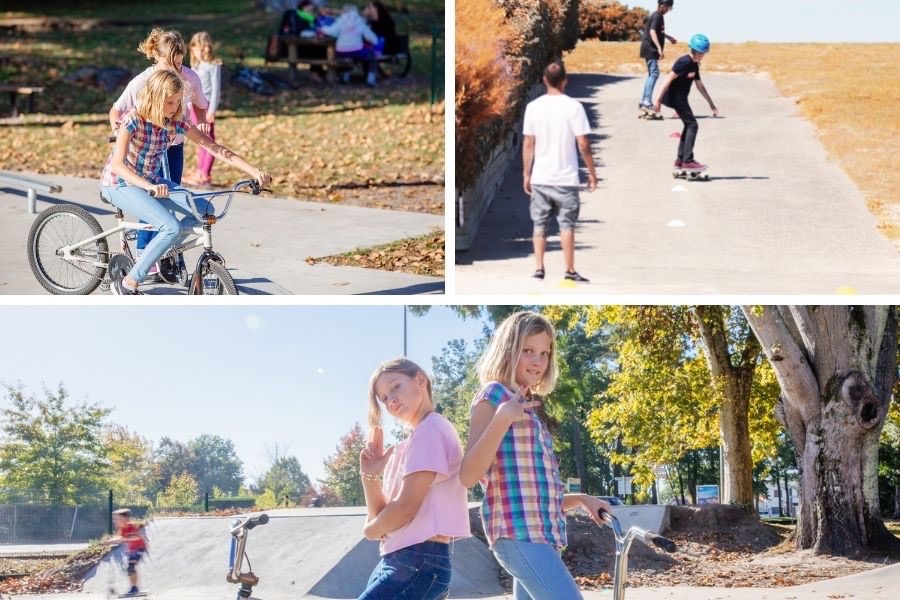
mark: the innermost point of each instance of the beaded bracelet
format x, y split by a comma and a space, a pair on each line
368, 477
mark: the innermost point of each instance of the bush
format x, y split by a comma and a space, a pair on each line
502, 48
610, 21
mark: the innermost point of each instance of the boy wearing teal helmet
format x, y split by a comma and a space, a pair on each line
674, 93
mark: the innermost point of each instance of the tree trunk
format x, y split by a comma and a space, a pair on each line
578, 453
735, 376
897, 500
835, 365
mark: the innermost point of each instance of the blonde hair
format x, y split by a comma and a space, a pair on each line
498, 363
204, 41
162, 44
404, 366
151, 99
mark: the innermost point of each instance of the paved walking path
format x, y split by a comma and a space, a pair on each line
778, 216
265, 241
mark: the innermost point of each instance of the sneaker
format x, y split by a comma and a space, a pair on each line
118, 288
677, 164
538, 274
693, 165
574, 276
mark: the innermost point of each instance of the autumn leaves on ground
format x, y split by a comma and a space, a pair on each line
381, 148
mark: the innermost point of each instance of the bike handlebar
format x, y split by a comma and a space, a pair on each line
255, 189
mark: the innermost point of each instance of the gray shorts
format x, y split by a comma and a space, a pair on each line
549, 199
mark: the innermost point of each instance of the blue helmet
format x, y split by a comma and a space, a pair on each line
699, 43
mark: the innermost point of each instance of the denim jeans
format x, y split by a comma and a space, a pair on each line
159, 213
417, 572
537, 569
175, 158
689, 132
650, 83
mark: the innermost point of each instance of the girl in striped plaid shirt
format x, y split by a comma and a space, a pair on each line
131, 171
510, 451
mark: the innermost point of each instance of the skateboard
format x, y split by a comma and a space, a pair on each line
691, 174
141, 594
649, 114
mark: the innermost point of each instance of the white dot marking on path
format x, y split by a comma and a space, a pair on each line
676, 223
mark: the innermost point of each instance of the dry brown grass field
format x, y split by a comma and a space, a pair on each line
848, 91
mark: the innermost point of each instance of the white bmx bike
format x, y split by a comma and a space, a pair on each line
69, 251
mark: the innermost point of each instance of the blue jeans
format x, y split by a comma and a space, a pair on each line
537, 569
175, 158
417, 572
159, 213
650, 83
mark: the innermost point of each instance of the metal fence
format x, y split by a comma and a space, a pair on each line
31, 526
438, 58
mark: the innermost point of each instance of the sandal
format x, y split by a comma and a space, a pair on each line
538, 274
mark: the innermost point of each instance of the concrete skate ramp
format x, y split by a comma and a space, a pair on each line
300, 553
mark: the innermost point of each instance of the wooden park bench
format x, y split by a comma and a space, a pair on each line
396, 59
310, 51
21, 90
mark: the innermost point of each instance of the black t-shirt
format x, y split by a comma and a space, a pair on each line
688, 72
657, 23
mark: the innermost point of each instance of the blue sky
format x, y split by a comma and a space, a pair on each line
783, 20
293, 376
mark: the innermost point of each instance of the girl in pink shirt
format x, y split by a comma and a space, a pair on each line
420, 506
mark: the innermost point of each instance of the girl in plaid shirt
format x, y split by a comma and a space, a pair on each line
510, 451
130, 174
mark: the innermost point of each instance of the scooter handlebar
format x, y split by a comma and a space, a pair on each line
664, 543
657, 540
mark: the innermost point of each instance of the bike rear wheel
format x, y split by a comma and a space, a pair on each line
61, 226
212, 279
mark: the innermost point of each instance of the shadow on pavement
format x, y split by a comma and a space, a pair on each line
436, 287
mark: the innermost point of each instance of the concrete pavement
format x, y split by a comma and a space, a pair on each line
265, 241
778, 216
320, 554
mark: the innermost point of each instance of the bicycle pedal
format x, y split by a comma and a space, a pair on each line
104, 285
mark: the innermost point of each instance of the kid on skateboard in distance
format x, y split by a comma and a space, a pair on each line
135, 546
674, 93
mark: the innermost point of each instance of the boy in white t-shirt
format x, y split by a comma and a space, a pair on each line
555, 133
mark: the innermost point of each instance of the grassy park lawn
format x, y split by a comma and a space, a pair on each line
347, 144
840, 88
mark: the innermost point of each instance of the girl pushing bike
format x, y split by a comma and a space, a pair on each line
130, 180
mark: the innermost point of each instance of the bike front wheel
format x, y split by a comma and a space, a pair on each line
212, 279
55, 228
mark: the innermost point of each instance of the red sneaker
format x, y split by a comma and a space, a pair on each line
693, 166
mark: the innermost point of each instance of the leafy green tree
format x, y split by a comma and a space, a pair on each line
52, 447
342, 469
285, 479
210, 460
215, 463
455, 383
688, 378
182, 492
889, 463
131, 469
171, 458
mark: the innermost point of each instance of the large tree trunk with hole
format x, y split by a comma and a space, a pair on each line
735, 375
835, 365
